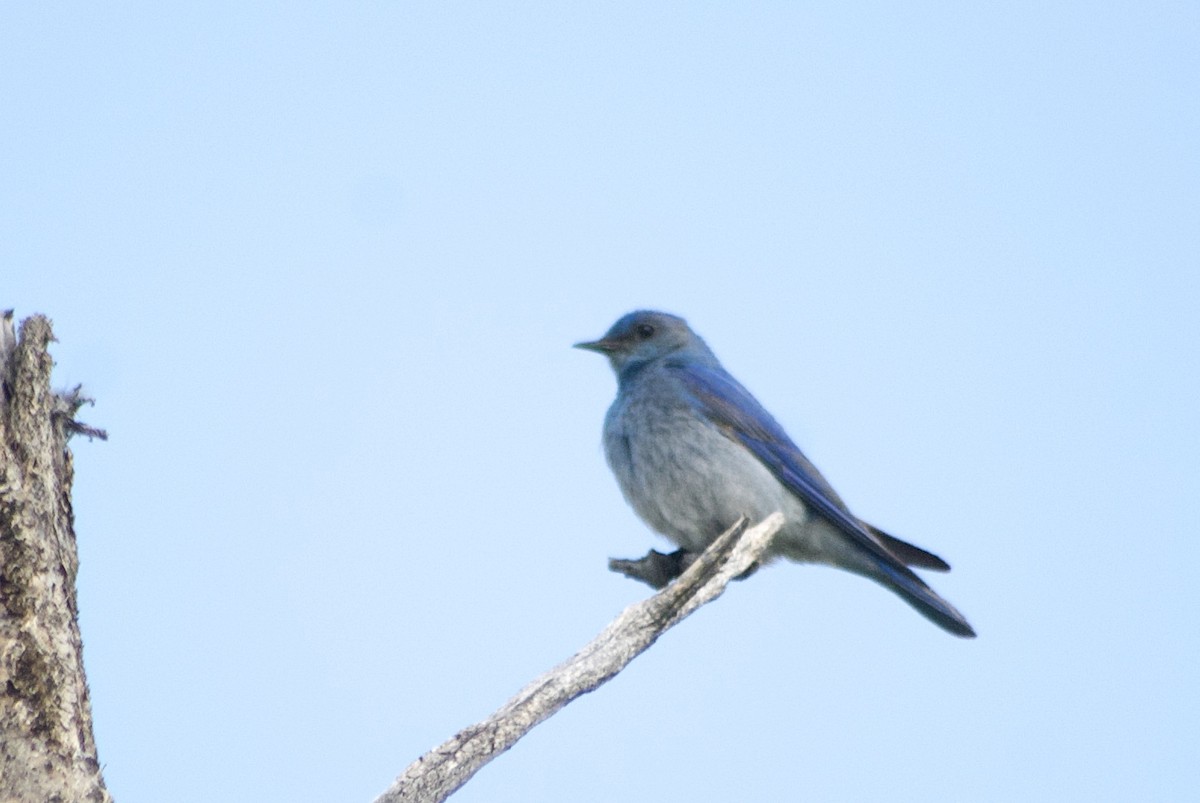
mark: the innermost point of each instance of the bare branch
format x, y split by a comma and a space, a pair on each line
437, 774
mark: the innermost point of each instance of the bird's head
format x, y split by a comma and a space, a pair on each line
644, 336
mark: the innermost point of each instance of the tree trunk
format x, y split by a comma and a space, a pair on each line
47, 750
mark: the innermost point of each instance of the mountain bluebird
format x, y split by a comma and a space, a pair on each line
693, 451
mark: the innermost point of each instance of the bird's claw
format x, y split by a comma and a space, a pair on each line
655, 569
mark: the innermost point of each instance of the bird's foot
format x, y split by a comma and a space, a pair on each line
656, 569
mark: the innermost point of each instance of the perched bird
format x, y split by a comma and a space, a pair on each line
693, 451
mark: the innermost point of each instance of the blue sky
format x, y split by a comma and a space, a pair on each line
321, 265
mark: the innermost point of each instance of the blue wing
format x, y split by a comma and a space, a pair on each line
742, 419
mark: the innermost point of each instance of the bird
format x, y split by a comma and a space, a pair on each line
693, 452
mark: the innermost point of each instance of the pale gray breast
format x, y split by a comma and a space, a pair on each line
680, 474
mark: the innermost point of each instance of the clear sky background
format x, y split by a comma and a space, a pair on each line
321, 266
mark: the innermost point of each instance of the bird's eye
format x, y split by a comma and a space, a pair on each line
645, 330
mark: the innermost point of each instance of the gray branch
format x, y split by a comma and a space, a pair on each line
440, 772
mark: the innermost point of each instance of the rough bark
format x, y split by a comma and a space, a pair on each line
441, 771
47, 750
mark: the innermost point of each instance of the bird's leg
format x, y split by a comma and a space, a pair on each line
656, 569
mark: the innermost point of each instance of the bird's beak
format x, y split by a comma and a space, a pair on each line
598, 346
